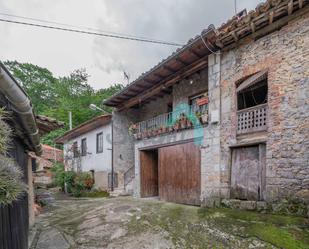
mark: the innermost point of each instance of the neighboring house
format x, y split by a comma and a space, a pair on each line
42, 164
224, 117
16, 218
88, 148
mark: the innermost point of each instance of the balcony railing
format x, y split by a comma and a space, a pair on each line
183, 118
252, 119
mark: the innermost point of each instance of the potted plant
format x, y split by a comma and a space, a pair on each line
202, 117
189, 123
183, 121
163, 129
133, 128
176, 125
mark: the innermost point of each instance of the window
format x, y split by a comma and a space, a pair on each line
252, 91
100, 142
75, 151
84, 147
199, 103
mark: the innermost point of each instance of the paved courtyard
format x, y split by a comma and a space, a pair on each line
127, 223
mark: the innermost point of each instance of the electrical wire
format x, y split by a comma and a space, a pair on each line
92, 33
75, 26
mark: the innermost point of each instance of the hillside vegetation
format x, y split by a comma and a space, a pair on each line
56, 96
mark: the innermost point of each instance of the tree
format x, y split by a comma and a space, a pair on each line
55, 97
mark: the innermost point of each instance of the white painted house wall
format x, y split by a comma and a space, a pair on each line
99, 162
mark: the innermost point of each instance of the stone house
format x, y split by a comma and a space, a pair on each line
224, 117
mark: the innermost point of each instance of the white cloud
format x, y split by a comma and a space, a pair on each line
106, 58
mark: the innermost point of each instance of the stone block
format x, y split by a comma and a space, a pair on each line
248, 205
261, 205
235, 204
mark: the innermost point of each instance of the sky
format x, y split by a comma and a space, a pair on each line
105, 59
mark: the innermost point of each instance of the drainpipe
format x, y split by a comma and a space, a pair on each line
112, 181
22, 106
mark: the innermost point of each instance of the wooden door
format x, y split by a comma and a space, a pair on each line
248, 173
180, 173
149, 173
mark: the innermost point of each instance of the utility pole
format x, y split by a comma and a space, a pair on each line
235, 6
70, 120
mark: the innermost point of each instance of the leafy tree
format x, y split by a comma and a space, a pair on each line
55, 97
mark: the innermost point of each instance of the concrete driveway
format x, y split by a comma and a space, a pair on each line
127, 223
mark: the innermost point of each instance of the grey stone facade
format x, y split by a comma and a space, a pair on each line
285, 55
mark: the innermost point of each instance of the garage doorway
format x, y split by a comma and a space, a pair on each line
149, 173
173, 173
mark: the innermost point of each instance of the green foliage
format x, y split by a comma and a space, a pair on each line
59, 175
55, 97
5, 132
11, 184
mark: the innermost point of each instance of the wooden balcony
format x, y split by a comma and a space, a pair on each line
170, 122
253, 119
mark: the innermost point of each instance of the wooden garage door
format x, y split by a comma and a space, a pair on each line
248, 173
180, 173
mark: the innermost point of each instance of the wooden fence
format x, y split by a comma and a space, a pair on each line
14, 218
14, 225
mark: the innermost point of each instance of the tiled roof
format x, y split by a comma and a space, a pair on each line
85, 127
47, 124
236, 28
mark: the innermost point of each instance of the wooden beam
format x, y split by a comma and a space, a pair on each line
252, 25
169, 81
181, 61
192, 51
233, 33
290, 7
158, 76
271, 17
167, 68
149, 82
300, 3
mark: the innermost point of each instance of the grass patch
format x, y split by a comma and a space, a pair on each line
282, 231
95, 194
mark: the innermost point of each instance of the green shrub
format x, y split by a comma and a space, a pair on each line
11, 183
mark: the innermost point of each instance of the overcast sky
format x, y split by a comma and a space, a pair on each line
106, 58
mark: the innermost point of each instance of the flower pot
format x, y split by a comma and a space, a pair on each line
189, 124
135, 135
170, 128
202, 101
204, 118
183, 124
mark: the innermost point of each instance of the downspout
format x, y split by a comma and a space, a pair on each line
22, 106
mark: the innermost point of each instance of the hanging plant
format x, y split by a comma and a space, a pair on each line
11, 183
5, 132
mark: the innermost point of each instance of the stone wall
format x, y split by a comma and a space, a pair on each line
285, 54
210, 149
193, 85
123, 142
155, 107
